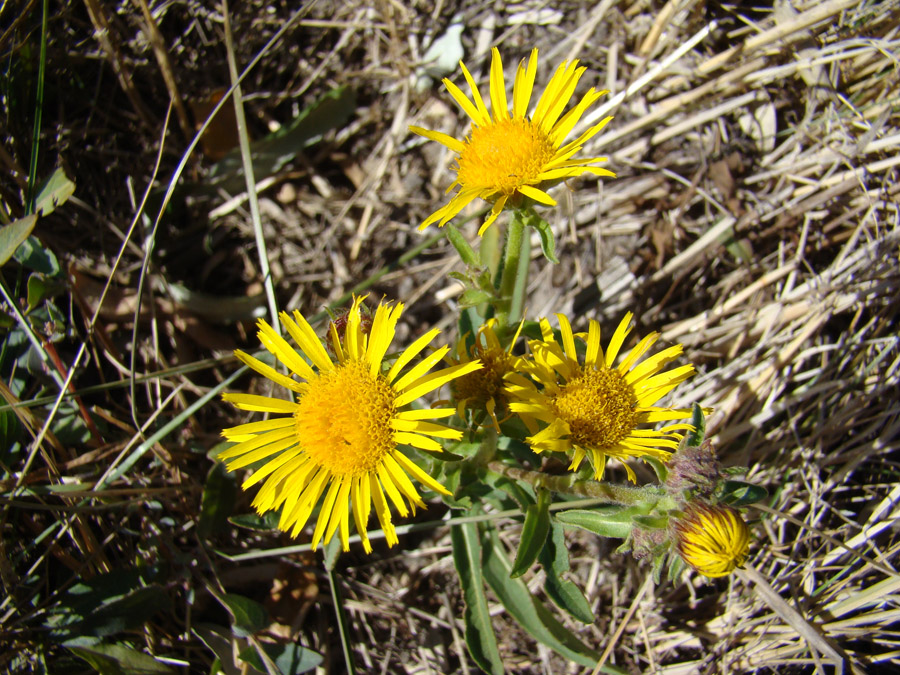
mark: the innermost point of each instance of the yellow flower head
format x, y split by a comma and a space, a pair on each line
483, 389
714, 540
595, 409
509, 155
343, 431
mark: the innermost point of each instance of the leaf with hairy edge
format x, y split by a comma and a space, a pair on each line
480, 638
534, 534
536, 619
554, 558
607, 521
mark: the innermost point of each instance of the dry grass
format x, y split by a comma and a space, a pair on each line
754, 220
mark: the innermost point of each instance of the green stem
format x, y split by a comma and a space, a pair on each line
567, 484
515, 239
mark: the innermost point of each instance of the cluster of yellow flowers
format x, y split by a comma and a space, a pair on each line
354, 403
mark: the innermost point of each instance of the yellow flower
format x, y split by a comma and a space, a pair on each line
344, 429
595, 409
483, 389
712, 539
509, 156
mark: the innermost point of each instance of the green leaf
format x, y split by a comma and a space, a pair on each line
10, 432
662, 472
223, 644
676, 567
53, 192
107, 604
217, 503
40, 288
259, 523
272, 153
12, 236
651, 522
695, 437
462, 246
548, 244
290, 659
739, 493
534, 534
249, 616
34, 256
607, 521
119, 659
554, 558
472, 297
479, 633
536, 619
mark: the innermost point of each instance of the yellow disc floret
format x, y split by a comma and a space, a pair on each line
599, 406
505, 156
343, 420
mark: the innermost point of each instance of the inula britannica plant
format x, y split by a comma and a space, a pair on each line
527, 414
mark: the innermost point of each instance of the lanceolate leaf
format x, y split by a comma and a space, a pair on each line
480, 638
526, 610
534, 534
14, 234
554, 557
607, 521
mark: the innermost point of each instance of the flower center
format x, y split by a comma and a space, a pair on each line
481, 386
343, 420
599, 406
504, 156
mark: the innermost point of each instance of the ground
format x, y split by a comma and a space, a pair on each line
754, 219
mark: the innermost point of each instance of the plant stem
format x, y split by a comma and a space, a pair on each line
614, 494
508, 281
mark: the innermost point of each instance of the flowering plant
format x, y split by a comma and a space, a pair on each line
537, 411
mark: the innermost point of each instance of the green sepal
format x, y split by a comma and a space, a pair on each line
534, 534
739, 493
